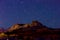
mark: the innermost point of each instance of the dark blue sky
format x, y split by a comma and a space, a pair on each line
24, 11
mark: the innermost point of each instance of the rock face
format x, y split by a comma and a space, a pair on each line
34, 31
18, 26
14, 27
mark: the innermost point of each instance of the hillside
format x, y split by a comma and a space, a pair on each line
33, 31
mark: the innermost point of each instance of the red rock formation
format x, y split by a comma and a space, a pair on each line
37, 31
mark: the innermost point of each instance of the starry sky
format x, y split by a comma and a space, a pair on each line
24, 11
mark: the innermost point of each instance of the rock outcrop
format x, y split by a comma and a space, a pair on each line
34, 31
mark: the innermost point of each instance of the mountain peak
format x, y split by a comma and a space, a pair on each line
33, 24
36, 23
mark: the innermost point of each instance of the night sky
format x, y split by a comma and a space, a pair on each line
24, 11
